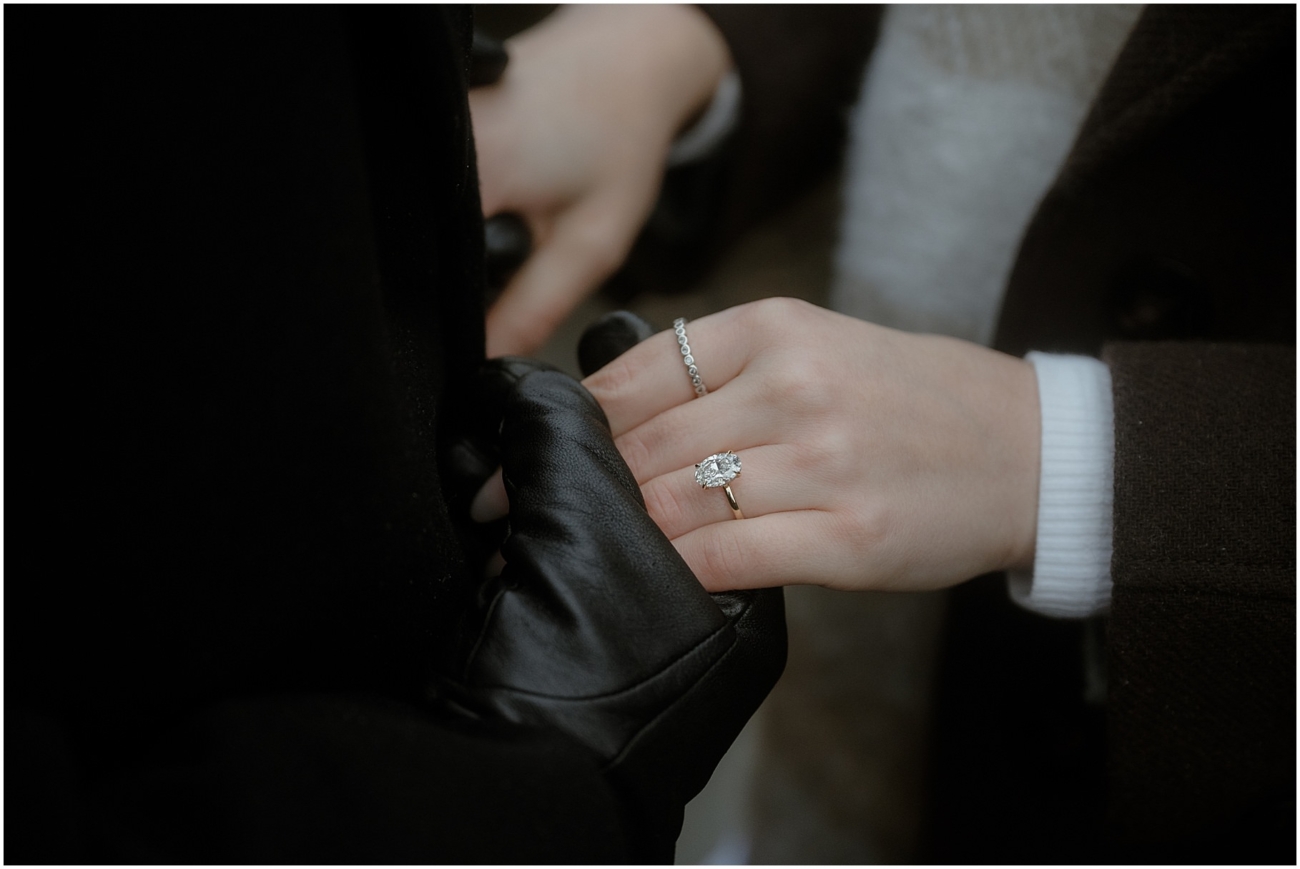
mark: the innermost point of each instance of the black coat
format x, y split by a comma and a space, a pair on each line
245, 305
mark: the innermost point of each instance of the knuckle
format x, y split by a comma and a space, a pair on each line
796, 379
664, 507
862, 531
818, 391
755, 318
722, 560
635, 452
780, 313
825, 447
614, 380
813, 460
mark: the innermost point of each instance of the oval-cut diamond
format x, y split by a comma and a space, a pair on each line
717, 470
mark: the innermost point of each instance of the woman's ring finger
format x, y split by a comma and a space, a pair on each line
775, 481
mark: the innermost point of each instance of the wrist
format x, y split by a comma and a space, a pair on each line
665, 61
1024, 527
691, 61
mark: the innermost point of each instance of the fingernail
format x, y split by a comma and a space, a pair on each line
491, 502
495, 565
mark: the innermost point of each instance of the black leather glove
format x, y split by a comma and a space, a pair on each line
596, 627
610, 337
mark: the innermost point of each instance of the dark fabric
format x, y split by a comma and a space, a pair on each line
249, 388
247, 248
1202, 652
246, 338
1017, 766
1173, 217
307, 779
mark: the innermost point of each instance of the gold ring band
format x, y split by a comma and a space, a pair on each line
731, 502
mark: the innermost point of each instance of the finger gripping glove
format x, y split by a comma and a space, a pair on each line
597, 628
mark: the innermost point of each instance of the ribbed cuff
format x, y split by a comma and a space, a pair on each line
1076, 489
706, 135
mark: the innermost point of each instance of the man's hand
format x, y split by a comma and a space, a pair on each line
574, 138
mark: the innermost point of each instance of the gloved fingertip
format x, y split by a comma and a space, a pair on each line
610, 337
487, 59
491, 502
507, 242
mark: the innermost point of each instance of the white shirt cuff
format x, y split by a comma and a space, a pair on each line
708, 133
1076, 490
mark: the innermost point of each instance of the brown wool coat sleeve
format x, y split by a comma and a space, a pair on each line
1169, 240
1202, 651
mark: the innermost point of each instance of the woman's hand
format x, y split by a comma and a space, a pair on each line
574, 138
871, 458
